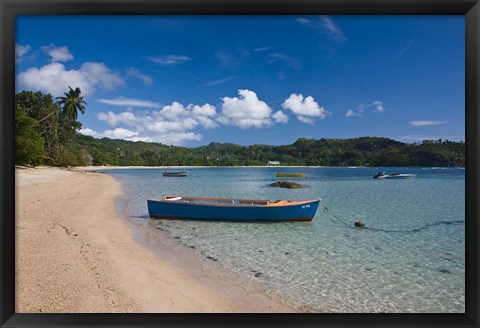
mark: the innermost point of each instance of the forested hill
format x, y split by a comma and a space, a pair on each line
365, 151
46, 133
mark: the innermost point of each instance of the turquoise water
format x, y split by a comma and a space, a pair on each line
410, 257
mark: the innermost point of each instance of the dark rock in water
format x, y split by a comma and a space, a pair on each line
359, 224
286, 184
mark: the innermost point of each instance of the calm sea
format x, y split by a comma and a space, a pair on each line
410, 257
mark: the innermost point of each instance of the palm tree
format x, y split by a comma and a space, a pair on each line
72, 103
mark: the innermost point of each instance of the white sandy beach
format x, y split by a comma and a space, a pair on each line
75, 254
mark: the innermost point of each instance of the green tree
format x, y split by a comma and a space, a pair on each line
28, 142
55, 122
72, 103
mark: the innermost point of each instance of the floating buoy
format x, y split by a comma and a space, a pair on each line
359, 224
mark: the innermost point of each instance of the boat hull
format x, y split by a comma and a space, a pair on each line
299, 211
174, 174
399, 176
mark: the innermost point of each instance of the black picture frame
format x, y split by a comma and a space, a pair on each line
9, 9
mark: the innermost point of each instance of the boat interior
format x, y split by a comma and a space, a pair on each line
229, 201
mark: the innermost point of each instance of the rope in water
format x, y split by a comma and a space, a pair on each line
417, 229
327, 212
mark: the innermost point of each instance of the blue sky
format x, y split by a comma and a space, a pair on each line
192, 80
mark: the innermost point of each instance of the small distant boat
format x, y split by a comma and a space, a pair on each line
289, 175
174, 174
228, 209
382, 175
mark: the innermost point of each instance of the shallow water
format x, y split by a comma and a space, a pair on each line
410, 257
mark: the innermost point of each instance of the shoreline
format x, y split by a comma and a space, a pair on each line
107, 167
76, 254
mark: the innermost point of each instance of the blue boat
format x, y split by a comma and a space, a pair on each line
228, 209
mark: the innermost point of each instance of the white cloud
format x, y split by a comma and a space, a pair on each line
206, 110
408, 46
325, 25
175, 111
122, 101
100, 75
246, 111
21, 51
90, 132
420, 137
113, 119
261, 49
414, 138
306, 109
169, 139
426, 123
204, 115
292, 62
53, 78
351, 113
120, 133
332, 29
221, 81
306, 119
135, 73
172, 124
58, 54
280, 117
378, 106
169, 59
231, 57
180, 138
305, 21
360, 109
224, 58
176, 123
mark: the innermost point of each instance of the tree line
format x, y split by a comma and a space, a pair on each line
45, 128
46, 133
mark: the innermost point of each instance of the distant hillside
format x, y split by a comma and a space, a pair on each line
46, 134
364, 151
